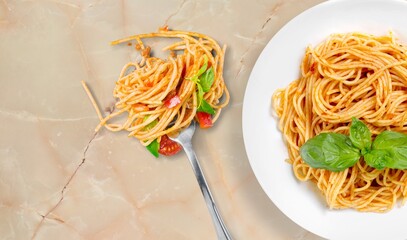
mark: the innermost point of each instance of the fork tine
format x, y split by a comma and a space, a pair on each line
186, 134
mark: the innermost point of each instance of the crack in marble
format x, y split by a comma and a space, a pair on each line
49, 212
175, 13
274, 10
54, 217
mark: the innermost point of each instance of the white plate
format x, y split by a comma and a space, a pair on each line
276, 67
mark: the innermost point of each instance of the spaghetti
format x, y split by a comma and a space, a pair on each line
348, 75
146, 90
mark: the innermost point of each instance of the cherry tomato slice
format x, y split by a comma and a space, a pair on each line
172, 101
168, 147
204, 119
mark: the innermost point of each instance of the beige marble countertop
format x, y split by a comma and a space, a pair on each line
60, 180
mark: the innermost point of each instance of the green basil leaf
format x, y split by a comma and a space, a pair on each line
153, 148
389, 139
206, 79
378, 158
206, 107
200, 94
331, 151
395, 144
202, 70
150, 125
204, 66
360, 135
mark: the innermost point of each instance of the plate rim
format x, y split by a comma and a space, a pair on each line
249, 87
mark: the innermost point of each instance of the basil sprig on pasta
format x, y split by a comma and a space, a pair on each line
389, 149
336, 152
204, 80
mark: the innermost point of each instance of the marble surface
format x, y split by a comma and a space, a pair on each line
60, 180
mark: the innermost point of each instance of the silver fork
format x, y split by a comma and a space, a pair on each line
185, 139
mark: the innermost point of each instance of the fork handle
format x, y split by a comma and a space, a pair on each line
221, 230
